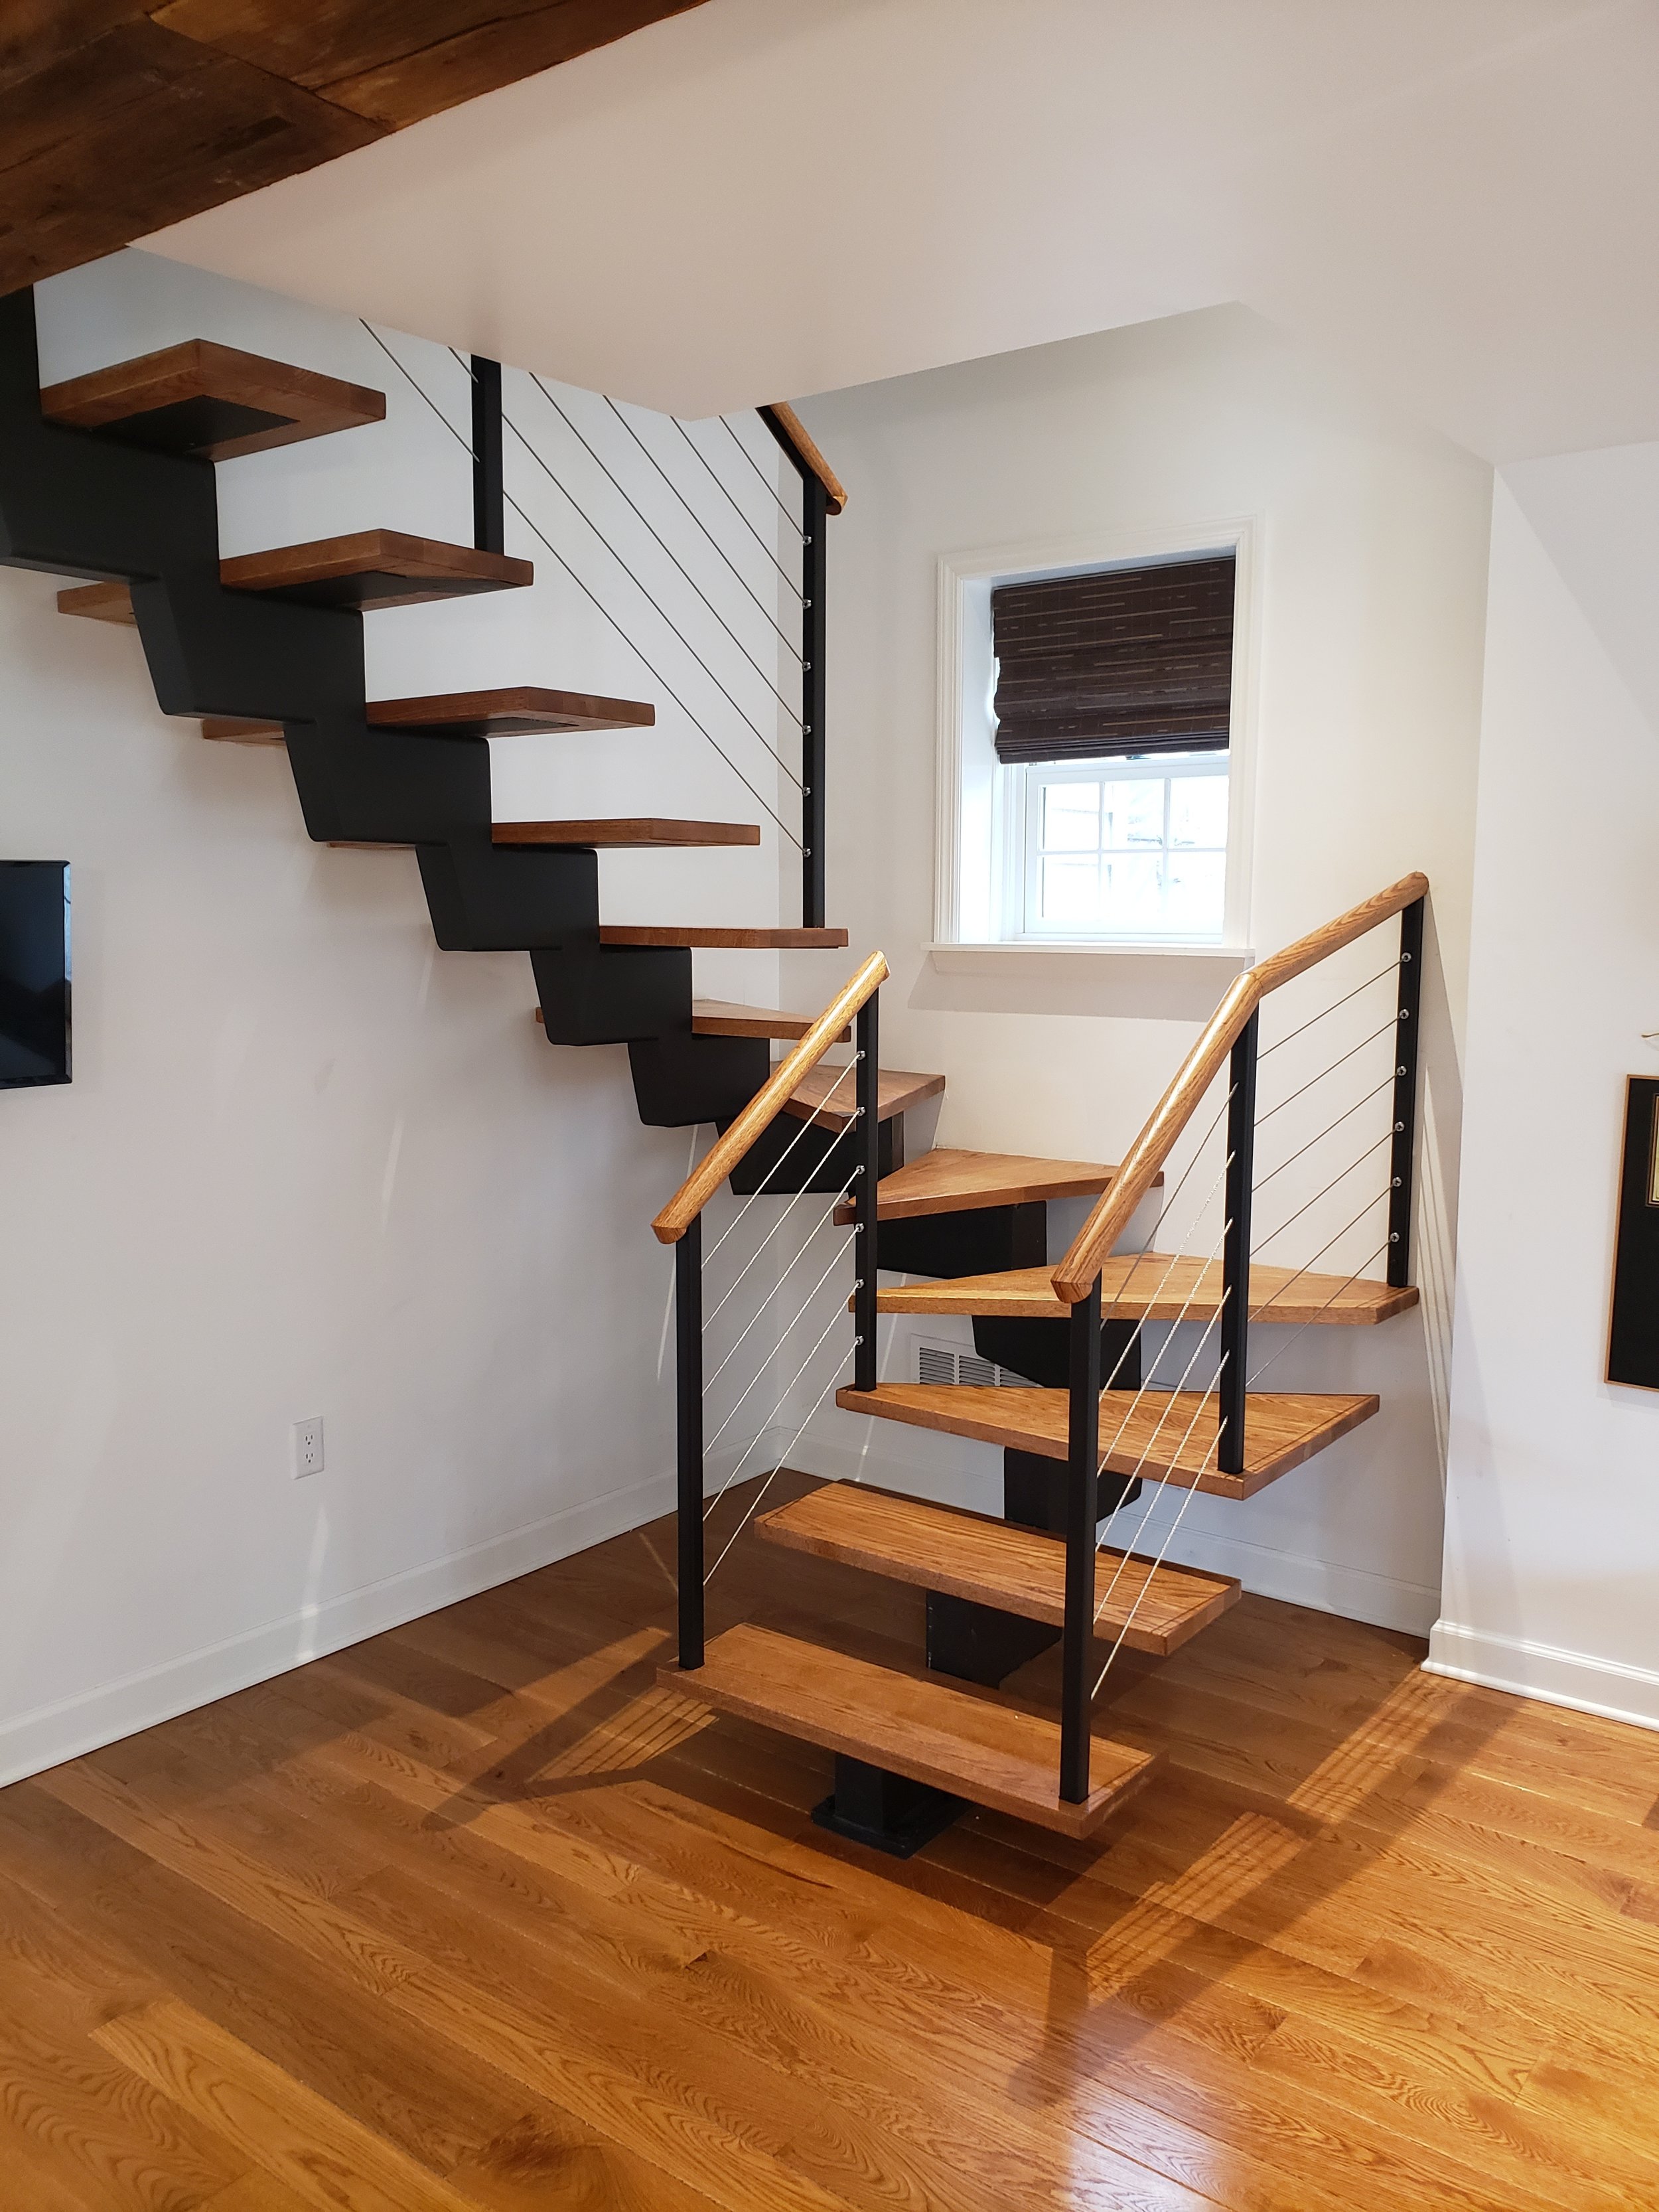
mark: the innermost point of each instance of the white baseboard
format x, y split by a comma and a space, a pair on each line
1297, 1578
1575, 1679
72, 1726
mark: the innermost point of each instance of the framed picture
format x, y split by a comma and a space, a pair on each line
1633, 1335
34, 973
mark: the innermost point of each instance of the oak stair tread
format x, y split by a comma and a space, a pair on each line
633, 832
104, 602
212, 400
236, 730
723, 1018
368, 569
897, 1090
698, 934
1160, 1287
371, 568
1167, 1436
515, 710
988, 1752
997, 1562
946, 1181
519, 710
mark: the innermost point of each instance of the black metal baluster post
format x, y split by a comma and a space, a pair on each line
688, 1351
1082, 1485
489, 504
815, 576
867, 1035
1407, 1022
1236, 1252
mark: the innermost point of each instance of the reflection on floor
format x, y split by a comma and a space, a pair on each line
476, 1915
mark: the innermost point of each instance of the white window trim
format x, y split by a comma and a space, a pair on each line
1020, 848
964, 585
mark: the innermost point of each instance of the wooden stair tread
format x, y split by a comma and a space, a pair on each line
110, 603
636, 831
987, 1752
518, 710
210, 399
231, 729
1143, 1433
996, 1563
948, 1181
373, 568
1154, 1286
897, 1091
370, 568
696, 934
722, 1018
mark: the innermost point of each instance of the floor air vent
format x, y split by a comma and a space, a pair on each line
949, 1363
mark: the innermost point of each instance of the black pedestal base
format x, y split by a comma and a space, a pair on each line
980, 1642
887, 1812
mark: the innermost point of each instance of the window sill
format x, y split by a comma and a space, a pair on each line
1058, 956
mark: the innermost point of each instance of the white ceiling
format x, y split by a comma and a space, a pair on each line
766, 198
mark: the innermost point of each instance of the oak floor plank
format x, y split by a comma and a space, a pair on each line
122, 2140
326, 2159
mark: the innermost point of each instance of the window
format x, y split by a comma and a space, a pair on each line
1091, 730
1129, 848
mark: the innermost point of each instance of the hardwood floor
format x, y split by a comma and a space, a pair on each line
477, 1915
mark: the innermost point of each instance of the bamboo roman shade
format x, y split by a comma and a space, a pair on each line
1121, 660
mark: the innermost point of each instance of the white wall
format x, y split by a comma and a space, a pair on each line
1370, 536
308, 1164
1553, 1525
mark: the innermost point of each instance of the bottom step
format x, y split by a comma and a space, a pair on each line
972, 1747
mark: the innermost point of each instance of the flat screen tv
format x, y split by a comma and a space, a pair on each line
34, 973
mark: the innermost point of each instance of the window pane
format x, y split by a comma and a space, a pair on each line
1195, 898
1198, 809
1071, 892
1071, 817
1134, 812
1132, 893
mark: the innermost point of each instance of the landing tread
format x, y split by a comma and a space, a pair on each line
987, 1752
897, 1091
1281, 1428
1156, 1287
372, 569
696, 934
212, 400
723, 1018
631, 832
1156, 1608
517, 710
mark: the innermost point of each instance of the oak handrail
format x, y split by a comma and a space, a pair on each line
767, 1103
1091, 1246
789, 430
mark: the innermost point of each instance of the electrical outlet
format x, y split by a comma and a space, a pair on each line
308, 1446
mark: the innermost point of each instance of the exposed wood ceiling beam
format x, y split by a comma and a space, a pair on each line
117, 117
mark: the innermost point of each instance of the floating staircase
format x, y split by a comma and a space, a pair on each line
911, 1749
103, 478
